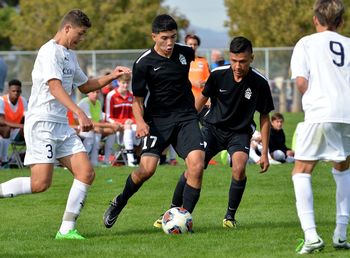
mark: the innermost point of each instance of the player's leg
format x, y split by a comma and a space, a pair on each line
146, 169
82, 170
238, 182
301, 177
341, 175
307, 154
40, 180
40, 156
189, 144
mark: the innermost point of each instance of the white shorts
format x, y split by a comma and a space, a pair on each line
48, 141
322, 141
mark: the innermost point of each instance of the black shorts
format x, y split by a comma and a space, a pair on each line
185, 136
217, 139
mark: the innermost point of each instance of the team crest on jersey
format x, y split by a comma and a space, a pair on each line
130, 99
248, 93
182, 59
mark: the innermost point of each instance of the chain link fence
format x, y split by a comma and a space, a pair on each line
274, 63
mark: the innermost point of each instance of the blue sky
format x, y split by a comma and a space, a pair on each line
208, 14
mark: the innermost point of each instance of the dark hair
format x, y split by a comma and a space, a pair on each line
163, 22
276, 116
15, 82
240, 45
193, 36
77, 18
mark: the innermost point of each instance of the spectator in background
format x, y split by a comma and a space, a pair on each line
119, 110
277, 144
217, 59
107, 89
12, 110
3, 73
199, 69
93, 109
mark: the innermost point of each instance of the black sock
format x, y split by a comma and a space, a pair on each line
179, 191
190, 197
129, 189
235, 196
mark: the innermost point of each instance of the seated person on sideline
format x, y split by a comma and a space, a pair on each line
277, 144
119, 110
12, 109
256, 149
93, 109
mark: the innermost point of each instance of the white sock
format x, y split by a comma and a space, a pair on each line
15, 186
5, 149
342, 180
75, 203
110, 140
129, 145
305, 205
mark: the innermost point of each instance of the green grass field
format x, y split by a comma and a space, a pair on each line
268, 223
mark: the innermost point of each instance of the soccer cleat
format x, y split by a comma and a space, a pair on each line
229, 222
341, 244
305, 247
72, 234
111, 214
158, 222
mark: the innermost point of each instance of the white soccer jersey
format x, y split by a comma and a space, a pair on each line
54, 61
324, 60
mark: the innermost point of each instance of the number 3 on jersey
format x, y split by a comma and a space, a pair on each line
337, 49
149, 142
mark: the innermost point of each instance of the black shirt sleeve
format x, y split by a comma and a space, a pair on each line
139, 84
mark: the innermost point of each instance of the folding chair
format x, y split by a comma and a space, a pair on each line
120, 153
18, 148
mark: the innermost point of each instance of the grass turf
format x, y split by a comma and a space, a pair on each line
268, 224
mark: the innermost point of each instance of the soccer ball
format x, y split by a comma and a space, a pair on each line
176, 221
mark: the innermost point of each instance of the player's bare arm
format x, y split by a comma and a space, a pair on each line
98, 83
56, 90
302, 84
142, 129
265, 134
200, 102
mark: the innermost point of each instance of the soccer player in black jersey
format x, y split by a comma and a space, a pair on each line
165, 113
236, 91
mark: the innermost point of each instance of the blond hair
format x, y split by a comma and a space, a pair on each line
329, 13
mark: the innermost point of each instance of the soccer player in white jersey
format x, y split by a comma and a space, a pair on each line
320, 66
48, 136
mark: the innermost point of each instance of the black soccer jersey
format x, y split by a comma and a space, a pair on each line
233, 104
164, 83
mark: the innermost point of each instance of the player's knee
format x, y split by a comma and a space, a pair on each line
144, 173
39, 186
89, 177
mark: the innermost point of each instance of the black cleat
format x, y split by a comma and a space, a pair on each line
111, 214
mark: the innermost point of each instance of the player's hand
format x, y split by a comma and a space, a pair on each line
142, 129
120, 70
264, 163
85, 123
